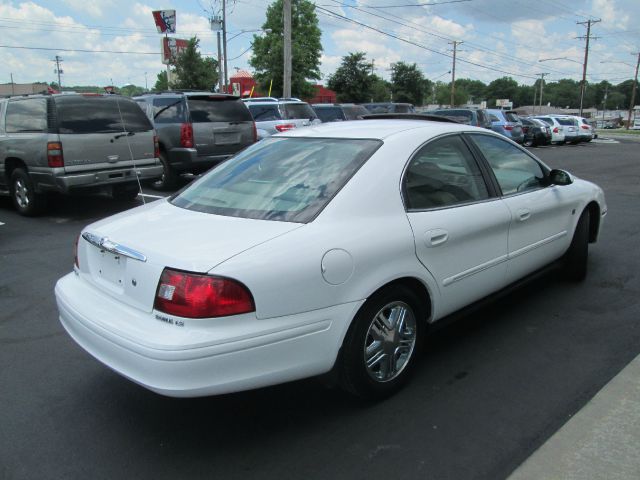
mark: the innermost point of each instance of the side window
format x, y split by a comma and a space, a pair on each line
514, 169
27, 116
168, 110
441, 174
493, 118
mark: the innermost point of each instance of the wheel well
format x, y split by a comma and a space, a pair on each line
10, 164
417, 287
594, 221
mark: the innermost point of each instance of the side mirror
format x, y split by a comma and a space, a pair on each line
560, 177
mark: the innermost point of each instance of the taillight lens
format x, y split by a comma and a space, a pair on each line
55, 159
508, 127
555, 130
585, 127
193, 295
75, 252
255, 132
156, 147
283, 127
186, 135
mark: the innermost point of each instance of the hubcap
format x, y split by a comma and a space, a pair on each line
390, 341
21, 193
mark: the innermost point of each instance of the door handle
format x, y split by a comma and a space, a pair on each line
524, 214
433, 238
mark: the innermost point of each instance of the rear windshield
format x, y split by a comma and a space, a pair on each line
264, 113
512, 117
215, 108
354, 112
99, 114
379, 107
403, 108
547, 120
283, 179
169, 110
299, 110
462, 116
329, 114
565, 121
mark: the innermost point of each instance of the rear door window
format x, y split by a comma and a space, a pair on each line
547, 120
27, 116
214, 108
512, 117
99, 114
169, 110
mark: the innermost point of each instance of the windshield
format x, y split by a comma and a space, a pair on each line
285, 179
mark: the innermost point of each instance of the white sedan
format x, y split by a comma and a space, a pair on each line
329, 248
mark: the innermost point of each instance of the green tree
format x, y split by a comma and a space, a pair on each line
443, 94
131, 90
193, 71
380, 90
408, 83
475, 89
625, 89
268, 57
563, 93
353, 80
501, 88
161, 81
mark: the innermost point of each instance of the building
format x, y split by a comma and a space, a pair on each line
323, 95
22, 88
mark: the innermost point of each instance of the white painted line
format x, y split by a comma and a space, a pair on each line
151, 196
1, 223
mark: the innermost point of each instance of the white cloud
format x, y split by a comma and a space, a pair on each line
92, 8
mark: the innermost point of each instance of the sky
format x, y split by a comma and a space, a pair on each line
500, 37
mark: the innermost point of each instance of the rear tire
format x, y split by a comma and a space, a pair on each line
125, 192
380, 349
169, 177
25, 199
575, 261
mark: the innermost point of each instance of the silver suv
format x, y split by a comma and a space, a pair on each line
273, 115
196, 130
73, 142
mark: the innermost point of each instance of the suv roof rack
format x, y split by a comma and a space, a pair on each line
260, 99
407, 116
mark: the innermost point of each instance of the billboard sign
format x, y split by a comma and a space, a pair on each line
165, 20
171, 48
504, 103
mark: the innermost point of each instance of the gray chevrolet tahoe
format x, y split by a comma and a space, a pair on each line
72, 142
196, 130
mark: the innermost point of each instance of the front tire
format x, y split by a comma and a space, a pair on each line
381, 346
169, 177
25, 199
575, 261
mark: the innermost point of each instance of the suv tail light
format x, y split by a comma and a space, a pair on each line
193, 295
585, 127
555, 130
156, 147
283, 127
508, 127
55, 158
186, 135
255, 132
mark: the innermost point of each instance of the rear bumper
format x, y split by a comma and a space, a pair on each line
57, 180
202, 357
187, 160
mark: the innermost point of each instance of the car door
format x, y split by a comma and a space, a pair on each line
541, 214
460, 227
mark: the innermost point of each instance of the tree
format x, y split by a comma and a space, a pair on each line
193, 71
131, 90
161, 81
268, 57
353, 80
408, 83
475, 89
380, 90
443, 94
501, 88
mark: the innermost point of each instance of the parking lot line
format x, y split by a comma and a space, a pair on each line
1, 223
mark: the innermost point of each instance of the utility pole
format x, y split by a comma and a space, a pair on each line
286, 84
224, 42
583, 84
604, 102
13, 90
542, 75
633, 92
58, 60
455, 44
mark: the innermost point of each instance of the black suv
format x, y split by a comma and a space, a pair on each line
196, 130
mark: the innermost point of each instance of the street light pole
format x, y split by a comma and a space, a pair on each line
633, 92
286, 81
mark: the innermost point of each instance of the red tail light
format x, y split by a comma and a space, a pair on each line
285, 126
186, 135
585, 127
508, 127
54, 155
193, 295
156, 147
255, 132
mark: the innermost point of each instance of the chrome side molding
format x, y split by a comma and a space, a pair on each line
103, 243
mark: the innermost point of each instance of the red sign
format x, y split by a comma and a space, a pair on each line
165, 20
171, 48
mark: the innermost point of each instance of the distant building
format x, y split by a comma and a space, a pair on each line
22, 88
242, 84
323, 95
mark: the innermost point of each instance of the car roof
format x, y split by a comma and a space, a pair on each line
378, 129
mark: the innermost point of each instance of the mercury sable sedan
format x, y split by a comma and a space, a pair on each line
325, 249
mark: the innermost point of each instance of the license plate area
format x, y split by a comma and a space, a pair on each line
111, 268
226, 138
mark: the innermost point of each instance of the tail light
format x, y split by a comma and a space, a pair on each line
193, 295
75, 252
585, 127
555, 130
186, 135
55, 158
283, 127
156, 146
508, 127
255, 132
